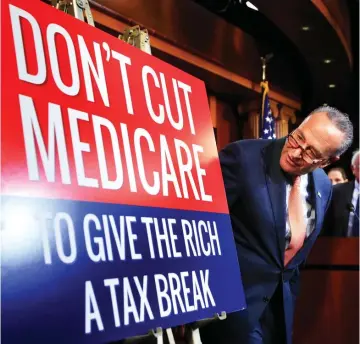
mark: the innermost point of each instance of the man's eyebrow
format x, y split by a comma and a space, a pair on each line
311, 147
300, 132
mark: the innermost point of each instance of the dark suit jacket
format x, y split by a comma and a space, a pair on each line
256, 193
337, 217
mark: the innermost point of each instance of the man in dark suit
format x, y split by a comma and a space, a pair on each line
277, 195
337, 175
342, 219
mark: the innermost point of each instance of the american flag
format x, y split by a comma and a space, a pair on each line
267, 129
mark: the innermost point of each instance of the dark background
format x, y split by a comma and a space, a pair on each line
270, 39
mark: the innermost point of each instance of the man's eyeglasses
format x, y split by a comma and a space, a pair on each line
307, 154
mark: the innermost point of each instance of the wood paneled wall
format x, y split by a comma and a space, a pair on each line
225, 120
209, 50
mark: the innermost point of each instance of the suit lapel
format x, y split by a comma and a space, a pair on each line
349, 192
317, 197
347, 200
276, 186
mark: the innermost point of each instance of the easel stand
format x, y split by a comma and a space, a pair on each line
193, 335
153, 337
79, 9
158, 336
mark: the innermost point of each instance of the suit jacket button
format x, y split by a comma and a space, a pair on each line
266, 299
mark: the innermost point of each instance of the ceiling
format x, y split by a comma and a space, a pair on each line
277, 28
302, 34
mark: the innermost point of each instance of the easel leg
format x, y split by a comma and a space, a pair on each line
159, 336
195, 337
170, 336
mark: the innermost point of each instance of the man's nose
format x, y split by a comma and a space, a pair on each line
297, 153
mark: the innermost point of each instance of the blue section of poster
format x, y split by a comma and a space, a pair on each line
81, 272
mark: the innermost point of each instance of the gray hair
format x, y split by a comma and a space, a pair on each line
355, 154
342, 122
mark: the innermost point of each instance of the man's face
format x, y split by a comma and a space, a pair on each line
355, 167
336, 177
319, 139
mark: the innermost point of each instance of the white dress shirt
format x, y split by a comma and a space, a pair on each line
309, 210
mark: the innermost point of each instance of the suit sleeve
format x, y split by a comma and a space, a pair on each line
230, 158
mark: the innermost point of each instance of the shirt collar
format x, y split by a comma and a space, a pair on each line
303, 179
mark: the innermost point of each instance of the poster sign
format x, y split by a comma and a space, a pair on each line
114, 217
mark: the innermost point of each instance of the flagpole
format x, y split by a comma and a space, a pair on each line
263, 63
264, 60
263, 79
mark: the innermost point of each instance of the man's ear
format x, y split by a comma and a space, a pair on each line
330, 161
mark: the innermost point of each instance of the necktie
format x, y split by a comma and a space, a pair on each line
355, 226
296, 221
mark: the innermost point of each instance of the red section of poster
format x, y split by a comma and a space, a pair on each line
86, 116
